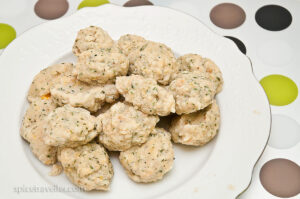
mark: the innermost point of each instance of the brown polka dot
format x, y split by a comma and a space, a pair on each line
51, 9
281, 177
227, 15
133, 3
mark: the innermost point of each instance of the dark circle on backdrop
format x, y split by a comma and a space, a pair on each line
133, 3
51, 9
273, 17
239, 44
281, 177
227, 15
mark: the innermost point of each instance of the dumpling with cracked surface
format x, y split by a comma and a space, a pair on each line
123, 127
196, 63
87, 166
32, 130
46, 78
151, 161
197, 128
91, 38
70, 127
79, 94
99, 66
146, 95
153, 60
192, 92
128, 43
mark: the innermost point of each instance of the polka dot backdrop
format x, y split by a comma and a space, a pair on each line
7, 35
92, 3
280, 90
51, 9
266, 31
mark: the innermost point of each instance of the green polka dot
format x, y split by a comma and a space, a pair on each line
280, 90
92, 3
7, 34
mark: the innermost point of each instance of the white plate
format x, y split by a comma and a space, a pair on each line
222, 169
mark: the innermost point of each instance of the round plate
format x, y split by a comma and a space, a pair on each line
221, 169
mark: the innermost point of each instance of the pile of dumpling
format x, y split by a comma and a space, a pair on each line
112, 99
